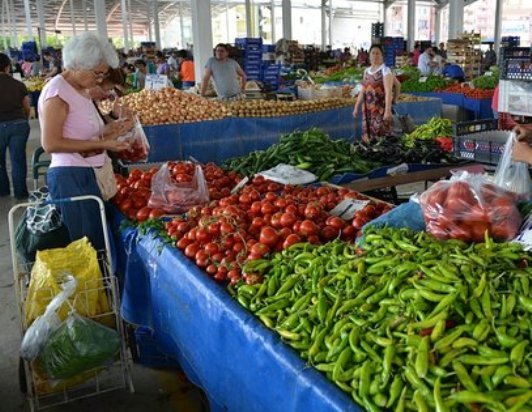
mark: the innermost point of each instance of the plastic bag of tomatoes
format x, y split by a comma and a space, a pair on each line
178, 197
139, 149
467, 206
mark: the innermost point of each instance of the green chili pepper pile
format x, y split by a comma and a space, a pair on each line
409, 323
435, 127
311, 150
432, 83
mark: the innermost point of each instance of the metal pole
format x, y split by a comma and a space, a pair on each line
249, 19
287, 19
12, 23
72, 19
456, 18
85, 21
4, 25
498, 26
130, 21
123, 11
201, 35
181, 29
227, 21
272, 16
437, 28
148, 18
330, 22
156, 27
411, 26
27, 13
101, 21
384, 18
323, 24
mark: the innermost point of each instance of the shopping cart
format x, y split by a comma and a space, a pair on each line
40, 392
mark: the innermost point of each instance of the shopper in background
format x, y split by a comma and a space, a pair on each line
346, 55
490, 58
416, 54
186, 70
522, 149
75, 135
27, 67
225, 72
426, 64
453, 71
140, 74
14, 130
16, 68
173, 62
162, 67
54, 65
376, 97
441, 51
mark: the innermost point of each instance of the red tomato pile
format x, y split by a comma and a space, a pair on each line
137, 152
264, 217
457, 210
135, 190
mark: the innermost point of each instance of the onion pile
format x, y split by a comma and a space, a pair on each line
274, 108
171, 106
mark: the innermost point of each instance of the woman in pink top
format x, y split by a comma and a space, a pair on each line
75, 135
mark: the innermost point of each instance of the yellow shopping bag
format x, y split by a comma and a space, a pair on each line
80, 260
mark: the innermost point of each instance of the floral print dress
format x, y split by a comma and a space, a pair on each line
373, 124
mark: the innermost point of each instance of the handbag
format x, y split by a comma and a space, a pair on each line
105, 178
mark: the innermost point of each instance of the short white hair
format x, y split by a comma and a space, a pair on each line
87, 51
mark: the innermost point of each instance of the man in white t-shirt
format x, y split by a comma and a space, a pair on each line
426, 64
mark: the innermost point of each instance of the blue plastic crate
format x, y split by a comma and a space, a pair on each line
268, 48
248, 40
148, 354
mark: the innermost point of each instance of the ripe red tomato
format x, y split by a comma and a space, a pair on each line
336, 222
268, 236
260, 249
143, 214
288, 219
290, 240
183, 243
308, 228
191, 250
155, 213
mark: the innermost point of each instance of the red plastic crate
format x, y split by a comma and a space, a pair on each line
506, 121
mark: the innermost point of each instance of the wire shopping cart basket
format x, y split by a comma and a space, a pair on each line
42, 392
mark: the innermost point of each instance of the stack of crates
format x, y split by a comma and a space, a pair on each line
377, 31
511, 41
270, 75
393, 46
515, 63
29, 50
252, 56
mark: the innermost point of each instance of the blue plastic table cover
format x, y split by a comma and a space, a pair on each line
225, 350
480, 107
218, 140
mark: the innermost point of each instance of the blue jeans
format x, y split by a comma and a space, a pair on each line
81, 218
14, 136
187, 85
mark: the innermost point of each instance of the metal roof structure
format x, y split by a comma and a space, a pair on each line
59, 14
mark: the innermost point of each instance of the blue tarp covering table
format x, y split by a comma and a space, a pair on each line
481, 108
241, 365
218, 140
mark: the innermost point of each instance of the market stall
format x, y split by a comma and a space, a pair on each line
217, 140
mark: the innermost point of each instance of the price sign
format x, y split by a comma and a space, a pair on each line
347, 208
423, 79
156, 81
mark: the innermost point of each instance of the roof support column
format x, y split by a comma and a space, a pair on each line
3, 24
384, 17
181, 23
156, 27
27, 13
42, 23
249, 19
85, 21
330, 22
12, 24
101, 21
456, 18
272, 15
130, 21
123, 10
72, 19
287, 19
411, 26
437, 26
323, 24
148, 17
201, 35
498, 26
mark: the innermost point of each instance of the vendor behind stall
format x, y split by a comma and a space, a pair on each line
453, 71
225, 72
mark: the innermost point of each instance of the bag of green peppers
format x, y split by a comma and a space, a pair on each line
78, 345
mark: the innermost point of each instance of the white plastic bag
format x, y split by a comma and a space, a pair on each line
511, 175
42, 328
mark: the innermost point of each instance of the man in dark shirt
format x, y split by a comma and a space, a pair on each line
14, 130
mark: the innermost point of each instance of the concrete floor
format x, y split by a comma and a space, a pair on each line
155, 390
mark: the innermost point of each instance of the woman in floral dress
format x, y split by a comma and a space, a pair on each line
376, 97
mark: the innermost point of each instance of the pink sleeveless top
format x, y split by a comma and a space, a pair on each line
82, 122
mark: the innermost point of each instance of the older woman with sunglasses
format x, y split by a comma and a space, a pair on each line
75, 134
